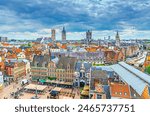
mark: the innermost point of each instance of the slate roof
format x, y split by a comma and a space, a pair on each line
64, 61
41, 60
86, 65
10, 64
99, 74
55, 60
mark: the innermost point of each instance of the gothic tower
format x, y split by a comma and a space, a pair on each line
63, 34
53, 32
117, 39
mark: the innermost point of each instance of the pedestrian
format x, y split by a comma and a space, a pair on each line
47, 97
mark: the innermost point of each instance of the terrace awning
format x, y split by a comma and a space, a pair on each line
54, 93
42, 80
34, 87
59, 82
58, 89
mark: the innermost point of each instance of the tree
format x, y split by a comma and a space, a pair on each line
147, 69
52, 78
30, 44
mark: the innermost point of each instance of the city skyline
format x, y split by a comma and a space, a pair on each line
33, 19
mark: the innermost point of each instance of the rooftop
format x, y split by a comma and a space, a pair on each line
135, 78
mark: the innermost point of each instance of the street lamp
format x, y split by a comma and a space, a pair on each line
36, 92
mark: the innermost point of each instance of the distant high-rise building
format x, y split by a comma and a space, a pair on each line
117, 39
3, 39
88, 36
63, 34
53, 32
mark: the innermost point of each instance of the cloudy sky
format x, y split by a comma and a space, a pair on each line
29, 19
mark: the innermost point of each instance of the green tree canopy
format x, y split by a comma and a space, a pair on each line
52, 78
148, 69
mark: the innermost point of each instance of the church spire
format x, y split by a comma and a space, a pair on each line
117, 35
117, 39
